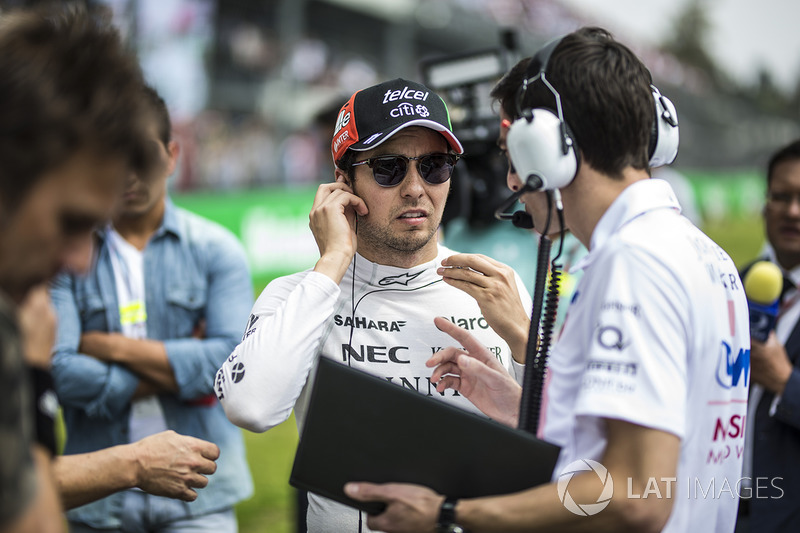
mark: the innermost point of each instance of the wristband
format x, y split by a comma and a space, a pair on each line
45, 404
447, 518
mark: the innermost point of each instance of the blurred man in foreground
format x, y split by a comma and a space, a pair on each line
72, 128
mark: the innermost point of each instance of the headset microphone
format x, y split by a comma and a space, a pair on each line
520, 219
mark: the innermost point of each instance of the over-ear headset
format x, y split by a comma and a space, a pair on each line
542, 146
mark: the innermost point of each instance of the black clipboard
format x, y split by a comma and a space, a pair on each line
360, 427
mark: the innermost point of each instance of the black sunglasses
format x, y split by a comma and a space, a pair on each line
389, 170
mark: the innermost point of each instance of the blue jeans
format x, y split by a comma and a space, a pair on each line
145, 513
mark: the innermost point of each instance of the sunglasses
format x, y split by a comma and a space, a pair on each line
389, 170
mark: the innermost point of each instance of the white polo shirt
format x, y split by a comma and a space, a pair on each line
657, 335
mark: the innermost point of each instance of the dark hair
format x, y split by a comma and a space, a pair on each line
790, 152
159, 108
605, 94
507, 89
345, 163
67, 83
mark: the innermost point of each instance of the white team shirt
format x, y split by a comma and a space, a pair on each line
657, 335
302, 316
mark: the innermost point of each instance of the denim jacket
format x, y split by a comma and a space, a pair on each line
194, 269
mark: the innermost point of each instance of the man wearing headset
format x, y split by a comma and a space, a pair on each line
649, 377
382, 277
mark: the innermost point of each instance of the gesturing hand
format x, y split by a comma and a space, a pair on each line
494, 287
174, 465
476, 374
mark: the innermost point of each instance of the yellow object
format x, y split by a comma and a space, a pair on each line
763, 283
133, 313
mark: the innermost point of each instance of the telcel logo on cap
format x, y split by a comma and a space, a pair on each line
405, 94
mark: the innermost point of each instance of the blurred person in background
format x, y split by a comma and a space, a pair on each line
772, 438
381, 278
141, 337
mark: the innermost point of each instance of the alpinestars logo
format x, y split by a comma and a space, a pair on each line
401, 279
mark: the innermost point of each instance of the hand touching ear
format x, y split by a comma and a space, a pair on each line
333, 222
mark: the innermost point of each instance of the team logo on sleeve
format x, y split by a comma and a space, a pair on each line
218, 385
250, 329
237, 372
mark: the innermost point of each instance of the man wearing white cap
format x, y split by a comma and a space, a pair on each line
382, 277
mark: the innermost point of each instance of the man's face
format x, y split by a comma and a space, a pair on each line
535, 202
51, 229
145, 192
782, 213
402, 220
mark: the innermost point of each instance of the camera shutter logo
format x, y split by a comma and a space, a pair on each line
587, 509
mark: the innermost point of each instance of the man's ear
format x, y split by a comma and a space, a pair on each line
341, 176
173, 152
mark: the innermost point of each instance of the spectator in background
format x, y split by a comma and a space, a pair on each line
772, 438
140, 338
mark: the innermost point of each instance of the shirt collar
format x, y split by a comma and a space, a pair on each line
637, 199
397, 277
169, 224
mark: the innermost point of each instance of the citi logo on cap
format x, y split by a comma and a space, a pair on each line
405, 94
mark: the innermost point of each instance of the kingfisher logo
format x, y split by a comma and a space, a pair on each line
401, 279
733, 371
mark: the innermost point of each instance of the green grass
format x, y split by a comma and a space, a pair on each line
272, 506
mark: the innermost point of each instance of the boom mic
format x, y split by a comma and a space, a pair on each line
763, 284
520, 219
